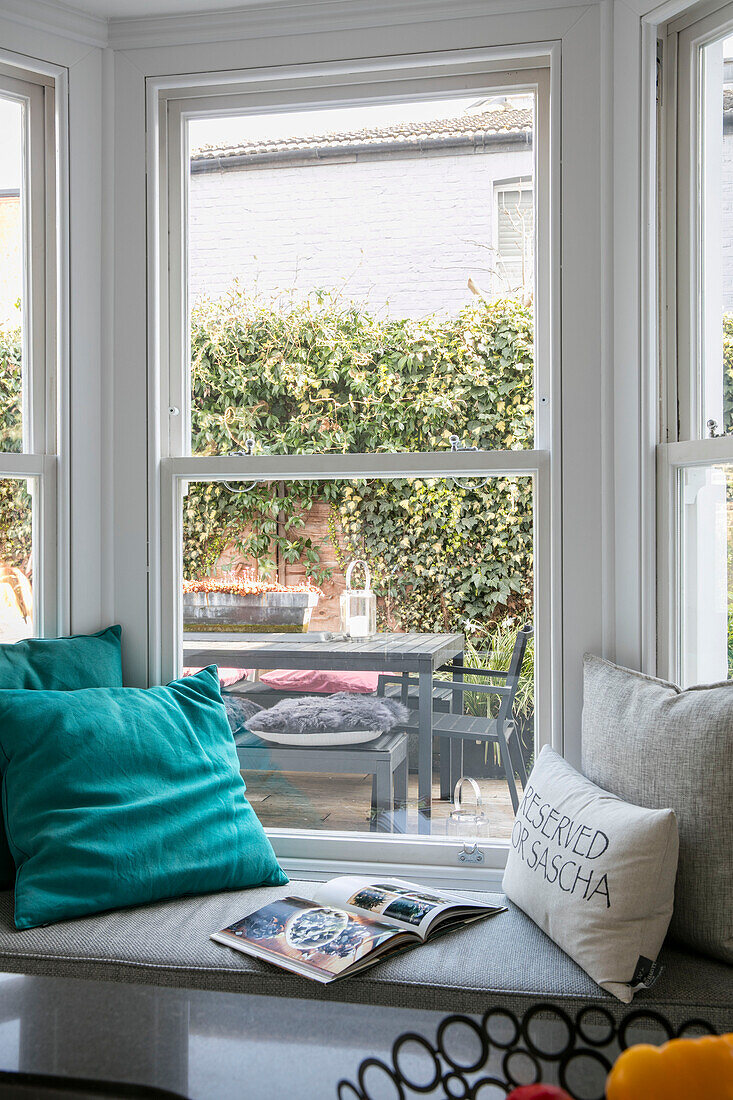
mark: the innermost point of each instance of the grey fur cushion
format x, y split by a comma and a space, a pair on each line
655, 745
239, 712
330, 714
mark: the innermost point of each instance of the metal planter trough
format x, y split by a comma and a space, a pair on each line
266, 612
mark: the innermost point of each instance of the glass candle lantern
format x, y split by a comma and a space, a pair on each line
359, 606
467, 823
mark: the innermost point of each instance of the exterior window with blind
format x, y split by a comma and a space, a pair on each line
514, 236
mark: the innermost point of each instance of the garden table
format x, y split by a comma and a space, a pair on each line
419, 654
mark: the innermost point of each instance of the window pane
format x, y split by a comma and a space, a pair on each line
16, 559
451, 567
356, 282
12, 247
716, 244
707, 573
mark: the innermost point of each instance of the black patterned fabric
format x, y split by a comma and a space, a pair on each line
485, 1057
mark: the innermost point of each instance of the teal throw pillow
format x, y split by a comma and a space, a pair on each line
121, 796
63, 664
60, 664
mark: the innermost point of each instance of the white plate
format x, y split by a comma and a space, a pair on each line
319, 740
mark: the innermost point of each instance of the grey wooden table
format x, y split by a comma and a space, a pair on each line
419, 654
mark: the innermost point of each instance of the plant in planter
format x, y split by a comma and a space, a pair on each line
241, 604
492, 648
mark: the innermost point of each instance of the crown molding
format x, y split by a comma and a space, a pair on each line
58, 19
259, 19
277, 18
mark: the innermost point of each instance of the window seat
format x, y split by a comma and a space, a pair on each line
503, 962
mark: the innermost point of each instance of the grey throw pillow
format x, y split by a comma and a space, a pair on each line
656, 745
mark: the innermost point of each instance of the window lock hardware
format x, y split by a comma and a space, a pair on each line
246, 453
173, 410
713, 432
472, 854
456, 445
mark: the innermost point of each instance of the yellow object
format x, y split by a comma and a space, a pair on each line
682, 1069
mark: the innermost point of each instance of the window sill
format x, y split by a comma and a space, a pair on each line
430, 861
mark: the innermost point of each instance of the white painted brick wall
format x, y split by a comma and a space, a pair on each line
727, 220
401, 232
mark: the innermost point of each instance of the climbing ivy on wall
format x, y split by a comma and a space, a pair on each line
443, 553
727, 373
324, 375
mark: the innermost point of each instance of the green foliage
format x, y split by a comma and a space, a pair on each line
320, 375
498, 646
442, 553
15, 503
728, 427
261, 524
11, 408
727, 372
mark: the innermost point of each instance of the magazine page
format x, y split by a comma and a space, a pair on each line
316, 940
397, 902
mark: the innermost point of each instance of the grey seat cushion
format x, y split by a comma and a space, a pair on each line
504, 962
658, 746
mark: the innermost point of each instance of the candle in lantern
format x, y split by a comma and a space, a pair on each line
359, 626
358, 606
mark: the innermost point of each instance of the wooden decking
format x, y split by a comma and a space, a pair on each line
341, 802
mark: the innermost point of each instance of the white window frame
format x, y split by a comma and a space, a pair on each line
170, 102
685, 444
41, 421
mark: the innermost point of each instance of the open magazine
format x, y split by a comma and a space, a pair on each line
351, 923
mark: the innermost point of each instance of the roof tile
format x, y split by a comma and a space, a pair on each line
474, 126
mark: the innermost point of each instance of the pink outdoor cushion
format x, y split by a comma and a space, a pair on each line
321, 680
227, 676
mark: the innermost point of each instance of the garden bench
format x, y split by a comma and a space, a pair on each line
385, 759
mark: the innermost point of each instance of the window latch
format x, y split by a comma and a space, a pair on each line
456, 445
472, 854
713, 432
247, 453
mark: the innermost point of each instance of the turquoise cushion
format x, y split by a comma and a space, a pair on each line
61, 664
121, 796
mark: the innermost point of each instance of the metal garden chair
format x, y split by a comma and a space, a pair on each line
454, 727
